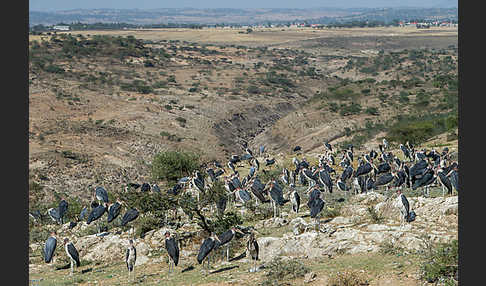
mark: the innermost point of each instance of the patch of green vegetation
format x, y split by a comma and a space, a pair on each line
137, 86
440, 263
173, 165
351, 109
417, 129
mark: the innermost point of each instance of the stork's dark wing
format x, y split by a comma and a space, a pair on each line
83, 213
405, 204
113, 211
257, 248
205, 249
276, 194
130, 215
384, 179
63, 206
225, 237
96, 213
49, 249
221, 204
145, 187
363, 169
316, 207
73, 252
126, 256
297, 198
244, 195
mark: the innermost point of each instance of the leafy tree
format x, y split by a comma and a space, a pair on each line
173, 165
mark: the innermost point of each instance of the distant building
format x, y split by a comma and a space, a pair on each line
61, 28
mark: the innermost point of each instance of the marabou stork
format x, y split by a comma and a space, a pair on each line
404, 207
226, 238
72, 253
425, 181
207, 246
50, 247
96, 213
145, 187
129, 216
113, 211
253, 248
444, 181
384, 180
131, 258
316, 204
406, 152
325, 179
276, 196
101, 194
62, 207
453, 175
257, 189
172, 248
295, 200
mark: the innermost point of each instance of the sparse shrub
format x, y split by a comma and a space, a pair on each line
288, 269
54, 69
348, 278
388, 247
182, 121
375, 217
333, 107
366, 91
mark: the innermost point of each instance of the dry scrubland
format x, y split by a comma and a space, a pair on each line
101, 107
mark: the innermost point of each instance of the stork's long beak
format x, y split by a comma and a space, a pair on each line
216, 237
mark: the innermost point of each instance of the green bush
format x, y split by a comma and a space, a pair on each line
403, 97
372, 111
54, 69
440, 262
353, 108
173, 165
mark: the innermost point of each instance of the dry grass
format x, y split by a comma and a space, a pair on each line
266, 36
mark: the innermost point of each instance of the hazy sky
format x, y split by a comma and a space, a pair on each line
54, 5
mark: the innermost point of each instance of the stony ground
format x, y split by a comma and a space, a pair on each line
383, 250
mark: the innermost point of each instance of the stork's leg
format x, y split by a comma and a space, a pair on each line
72, 268
227, 252
443, 191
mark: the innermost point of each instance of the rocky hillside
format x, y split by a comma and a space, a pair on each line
101, 107
353, 232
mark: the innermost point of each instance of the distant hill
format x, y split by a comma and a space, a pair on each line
238, 16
